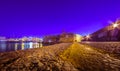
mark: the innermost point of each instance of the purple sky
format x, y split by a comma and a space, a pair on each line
43, 17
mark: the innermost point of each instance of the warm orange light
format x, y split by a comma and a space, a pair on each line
88, 48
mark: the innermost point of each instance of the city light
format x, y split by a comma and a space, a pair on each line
31, 44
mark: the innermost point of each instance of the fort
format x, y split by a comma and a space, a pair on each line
62, 38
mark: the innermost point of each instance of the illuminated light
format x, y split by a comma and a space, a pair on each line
78, 38
88, 36
22, 46
88, 48
41, 45
31, 45
36, 45
16, 45
115, 25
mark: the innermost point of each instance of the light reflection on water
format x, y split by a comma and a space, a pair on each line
13, 46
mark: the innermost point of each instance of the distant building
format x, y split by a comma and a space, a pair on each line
25, 39
33, 39
36, 39
70, 37
51, 39
67, 37
2, 38
64, 37
12, 39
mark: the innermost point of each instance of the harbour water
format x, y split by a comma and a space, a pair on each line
6, 46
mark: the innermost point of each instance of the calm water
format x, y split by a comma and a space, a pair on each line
13, 46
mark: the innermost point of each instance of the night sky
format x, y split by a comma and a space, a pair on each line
46, 17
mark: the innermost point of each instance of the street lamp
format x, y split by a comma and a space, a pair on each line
115, 25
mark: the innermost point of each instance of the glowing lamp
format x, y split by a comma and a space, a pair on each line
115, 25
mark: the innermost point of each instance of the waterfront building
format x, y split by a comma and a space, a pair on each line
62, 38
